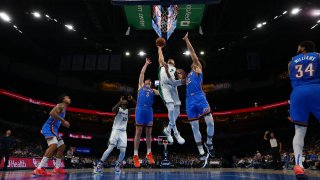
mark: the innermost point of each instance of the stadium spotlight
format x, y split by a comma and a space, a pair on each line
142, 53
36, 14
295, 11
5, 17
187, 53
69, 27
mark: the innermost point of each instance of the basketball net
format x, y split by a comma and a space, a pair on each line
167, 18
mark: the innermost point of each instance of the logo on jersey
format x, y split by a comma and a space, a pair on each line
188, 81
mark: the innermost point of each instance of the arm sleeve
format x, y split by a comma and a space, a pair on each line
174, 82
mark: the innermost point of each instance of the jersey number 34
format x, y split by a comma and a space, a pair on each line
302, 71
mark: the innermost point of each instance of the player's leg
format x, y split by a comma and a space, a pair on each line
210, 132
122, 146
172, 122
136, 145
177, 103
107, 152
204, 108
299, 114
61, 147
149, 156
6, 155
203, 157
113, 141
169, 102
197, 135
53, 145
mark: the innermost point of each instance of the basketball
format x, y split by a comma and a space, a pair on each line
160, 42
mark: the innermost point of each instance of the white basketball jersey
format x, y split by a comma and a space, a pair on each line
163, 75
121, 120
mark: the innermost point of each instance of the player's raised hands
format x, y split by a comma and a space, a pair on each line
148, 61
130, 97
186, 36
122, 98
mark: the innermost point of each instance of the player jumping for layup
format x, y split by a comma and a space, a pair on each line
118, 137
304, 72
169, 93
144, 115
55, 142
197, 105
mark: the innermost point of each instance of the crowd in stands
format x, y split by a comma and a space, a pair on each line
310, 158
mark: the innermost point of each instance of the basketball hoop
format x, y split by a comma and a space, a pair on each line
163, 141
165, 144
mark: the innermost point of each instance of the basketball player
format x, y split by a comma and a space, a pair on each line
197, 106
144, 115
304, 73
55, 142
169, 93
118, 137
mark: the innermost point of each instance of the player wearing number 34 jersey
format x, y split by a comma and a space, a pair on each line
304, 72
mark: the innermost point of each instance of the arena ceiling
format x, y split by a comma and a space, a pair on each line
232, 49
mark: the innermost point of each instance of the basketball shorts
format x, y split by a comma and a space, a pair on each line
144, 116
50, 132
197, 106
118, 138
169, 94
303, 101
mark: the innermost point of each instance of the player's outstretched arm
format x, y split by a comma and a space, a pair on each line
130, 98
132, 110
156, 92
265, 135
143, 70
193, 54
115, 108
161, 57
55, 114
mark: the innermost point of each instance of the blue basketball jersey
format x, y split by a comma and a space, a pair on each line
305, 69
145, 97
194, 83
55, 123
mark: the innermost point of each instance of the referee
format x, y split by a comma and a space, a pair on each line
6, 144
276, 148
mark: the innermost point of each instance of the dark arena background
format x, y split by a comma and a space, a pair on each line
93, 51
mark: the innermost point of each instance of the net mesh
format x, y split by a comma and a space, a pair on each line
168, 17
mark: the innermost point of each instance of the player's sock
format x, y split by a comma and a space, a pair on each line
210, 128
43, 162
148, 150
200, 148
298, 143
58, 163
122, 154
107, 153
135, 152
